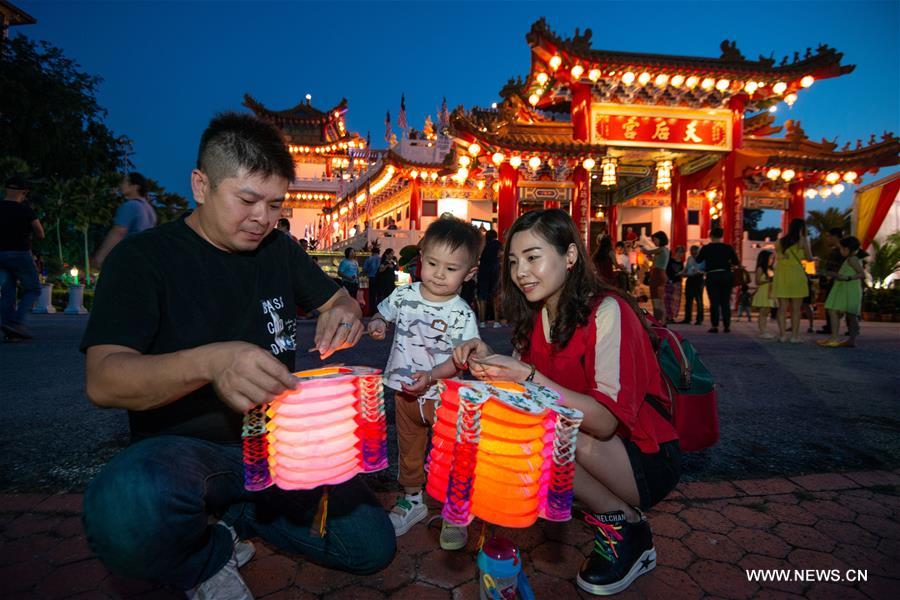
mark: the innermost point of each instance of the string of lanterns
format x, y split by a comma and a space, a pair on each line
786, 90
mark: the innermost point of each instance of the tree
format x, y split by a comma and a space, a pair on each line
169, 205
820, 222
752, 217
886, 261
49, 114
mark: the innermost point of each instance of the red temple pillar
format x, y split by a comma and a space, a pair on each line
612, 219
796, 205
507, 204
732, 203
679, 209
705, 205
415, 205
581, 112
581, 204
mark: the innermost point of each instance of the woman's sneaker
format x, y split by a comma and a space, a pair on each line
407, 512
453, 537
622, 552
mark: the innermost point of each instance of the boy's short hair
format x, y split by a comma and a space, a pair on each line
234, 141
716, 232
284, 224
454, 233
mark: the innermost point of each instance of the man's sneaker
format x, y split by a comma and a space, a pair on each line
453, 537
16, 331
243, 549
622, 552
405, 514
227, 584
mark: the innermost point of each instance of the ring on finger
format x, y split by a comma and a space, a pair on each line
345, 324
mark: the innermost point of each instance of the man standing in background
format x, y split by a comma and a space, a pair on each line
18, 224
133, 216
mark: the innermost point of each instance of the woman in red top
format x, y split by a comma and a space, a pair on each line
588, 342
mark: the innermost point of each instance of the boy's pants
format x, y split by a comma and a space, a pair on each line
414, 417
147, 513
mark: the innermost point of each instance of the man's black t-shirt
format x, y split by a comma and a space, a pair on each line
718, 257
15, 226
167, 289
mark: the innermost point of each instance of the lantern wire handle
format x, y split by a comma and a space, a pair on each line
482, 535
318, 522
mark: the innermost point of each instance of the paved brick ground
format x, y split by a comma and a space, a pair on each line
706, 535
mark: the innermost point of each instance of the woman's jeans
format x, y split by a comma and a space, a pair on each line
17, 267
147, 515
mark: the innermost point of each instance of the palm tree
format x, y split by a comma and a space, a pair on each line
821, 221
886, 261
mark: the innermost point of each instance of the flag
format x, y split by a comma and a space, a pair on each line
444, 115
401, 118
387, 128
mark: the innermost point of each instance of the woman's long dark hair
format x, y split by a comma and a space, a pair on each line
762, 260
580, 292
797, 227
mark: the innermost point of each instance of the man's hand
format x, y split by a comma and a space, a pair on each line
377, 328
421, 380
473, 347
244, 375
339, 324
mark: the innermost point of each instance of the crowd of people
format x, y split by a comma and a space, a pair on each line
779, 288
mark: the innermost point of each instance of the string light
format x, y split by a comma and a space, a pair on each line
555, 61
750, 87
850, 176
497, 158
542, 78
515, 161
677, 80
779, 88
474, 149
807, 81
833, 177
790, 99
661, 80
594, 75
577, 71
788, 174
534, 162
644, 78
722, 85
588, 164
628, 78
773, 173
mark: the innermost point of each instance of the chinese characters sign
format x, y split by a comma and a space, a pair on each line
661, 127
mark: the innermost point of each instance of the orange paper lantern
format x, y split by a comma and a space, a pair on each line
503, 452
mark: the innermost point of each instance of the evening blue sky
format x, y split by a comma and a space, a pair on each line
169, 66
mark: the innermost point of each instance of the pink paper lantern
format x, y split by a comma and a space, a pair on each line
328, 429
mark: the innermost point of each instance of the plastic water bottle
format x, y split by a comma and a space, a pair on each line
500, 571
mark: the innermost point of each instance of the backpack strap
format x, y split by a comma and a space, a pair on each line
657, 405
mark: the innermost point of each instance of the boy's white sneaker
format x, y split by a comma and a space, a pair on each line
405, 514
244, 550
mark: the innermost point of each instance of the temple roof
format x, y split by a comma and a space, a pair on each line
729, 75
797, 151
305, 124
13, 15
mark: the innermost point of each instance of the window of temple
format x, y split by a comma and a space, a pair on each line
693, 217
429, 208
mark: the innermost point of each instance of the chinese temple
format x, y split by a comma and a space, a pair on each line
627, 142
658, 142
326, 157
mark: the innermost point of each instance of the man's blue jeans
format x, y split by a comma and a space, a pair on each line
17, 266
147, 512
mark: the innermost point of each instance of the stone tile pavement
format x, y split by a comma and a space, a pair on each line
706, 533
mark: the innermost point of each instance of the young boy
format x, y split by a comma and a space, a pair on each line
431, 319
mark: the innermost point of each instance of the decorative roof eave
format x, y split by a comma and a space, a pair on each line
815, 156
762, 124
824, 63
732, 71
15, 15
303, 113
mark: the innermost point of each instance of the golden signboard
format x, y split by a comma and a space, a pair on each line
661, 127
